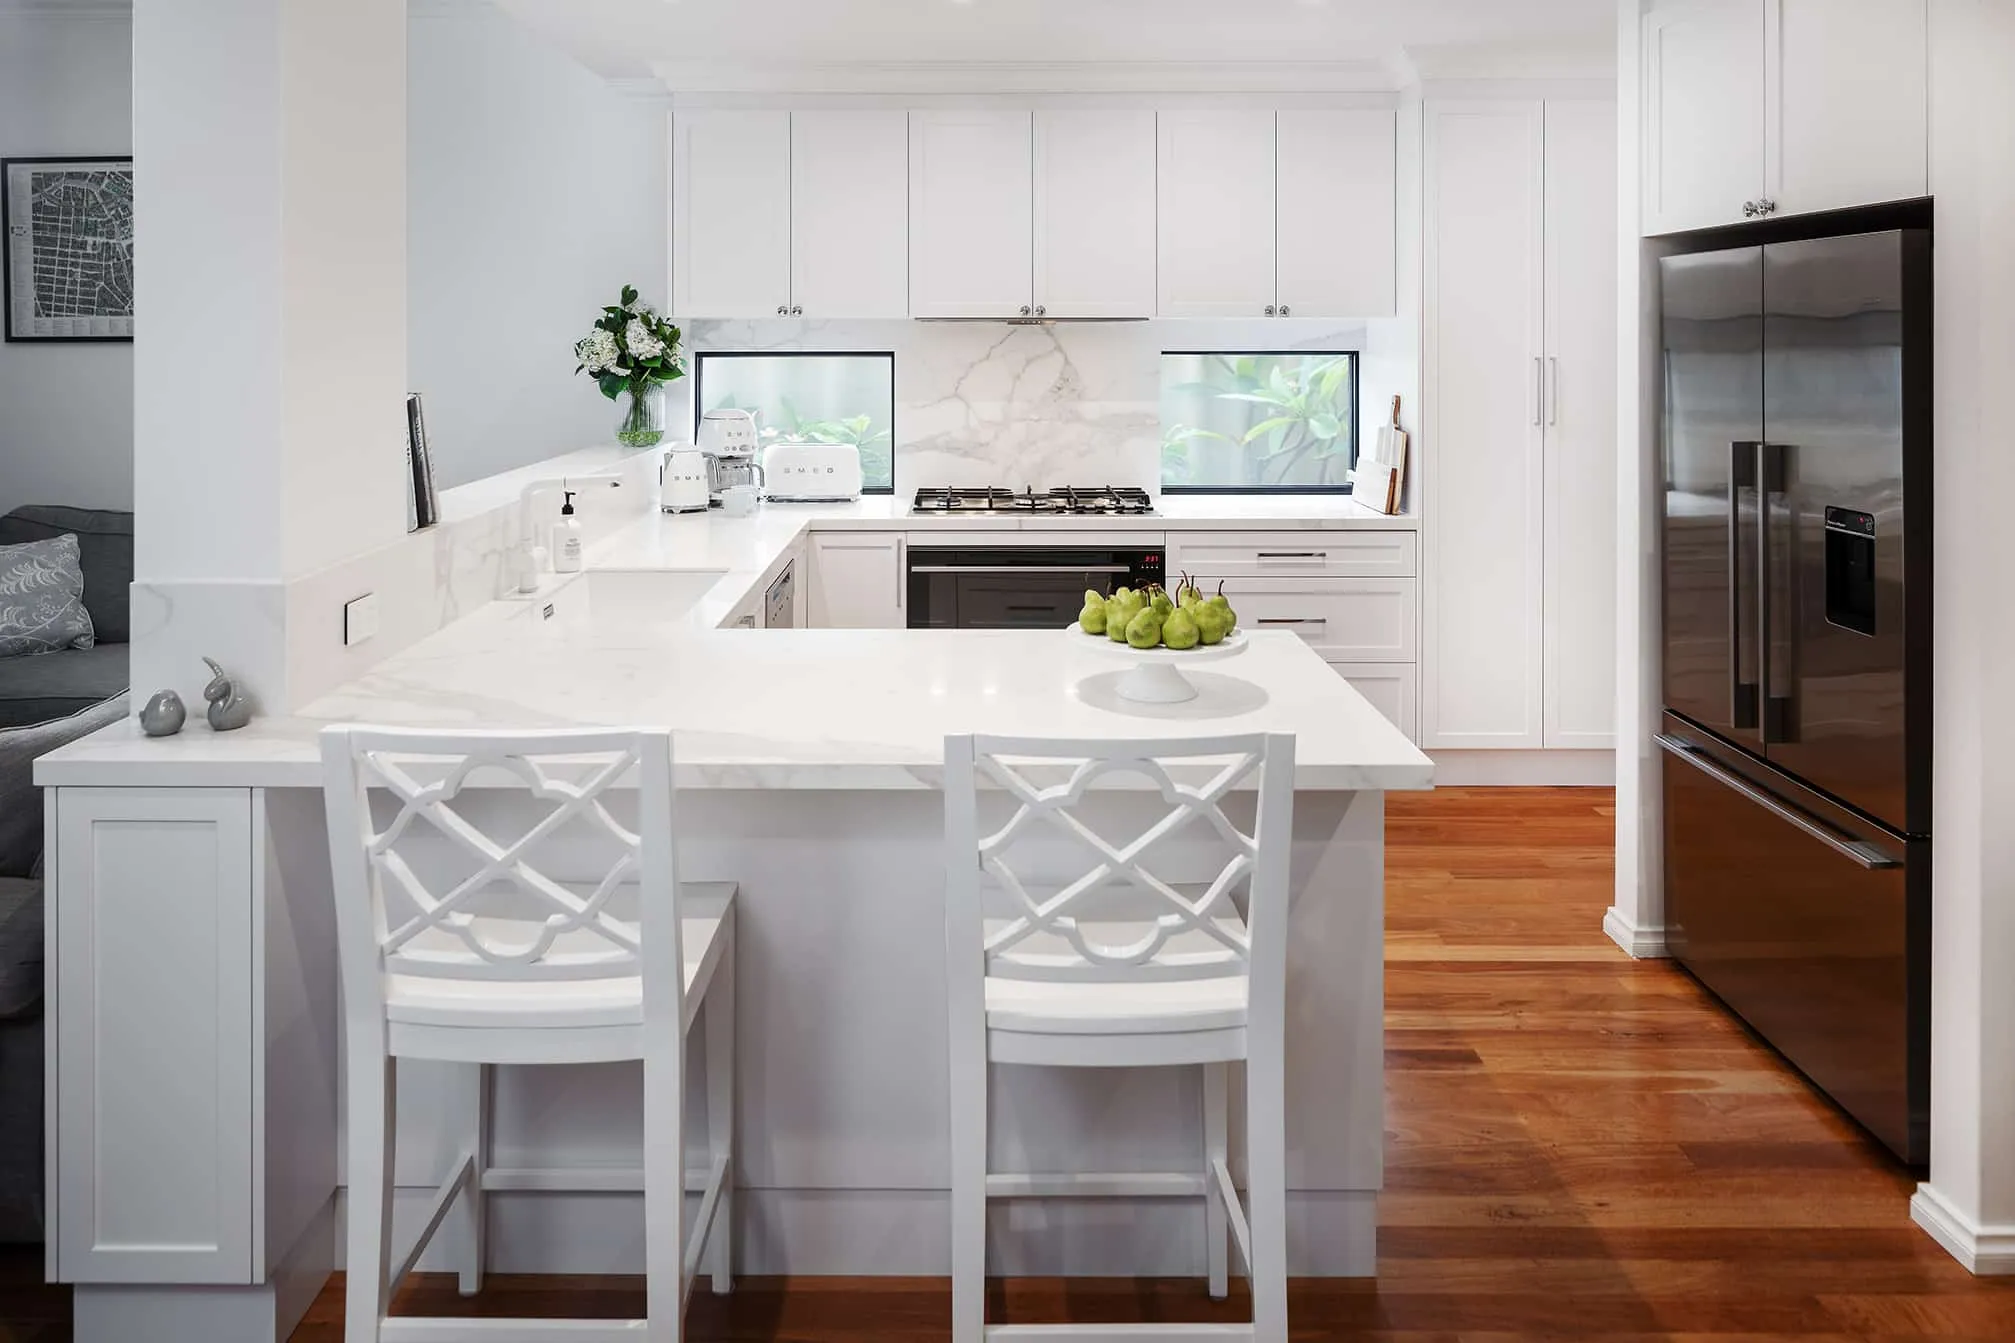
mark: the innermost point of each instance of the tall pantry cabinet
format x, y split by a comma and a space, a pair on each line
1518, 374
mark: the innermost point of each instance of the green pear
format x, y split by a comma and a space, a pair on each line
1093, 595
1118, 612
1092, 619
1144, 630
1180, 630
1211, 624
1162, 603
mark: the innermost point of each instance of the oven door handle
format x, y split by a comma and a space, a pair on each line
1021, 568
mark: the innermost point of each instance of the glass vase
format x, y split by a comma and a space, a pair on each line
643, 422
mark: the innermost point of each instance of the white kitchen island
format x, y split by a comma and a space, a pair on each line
194, 1088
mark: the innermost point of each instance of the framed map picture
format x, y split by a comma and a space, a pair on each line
68, 272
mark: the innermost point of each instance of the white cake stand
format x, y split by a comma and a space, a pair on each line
1157, 676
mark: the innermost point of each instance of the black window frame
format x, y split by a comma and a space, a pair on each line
1271, 491
699, 361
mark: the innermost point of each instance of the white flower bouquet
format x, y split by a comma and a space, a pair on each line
634, 351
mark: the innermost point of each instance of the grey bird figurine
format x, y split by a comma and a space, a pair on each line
163, 715
229, 708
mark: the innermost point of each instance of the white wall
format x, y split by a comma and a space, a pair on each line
66, 411
535, 192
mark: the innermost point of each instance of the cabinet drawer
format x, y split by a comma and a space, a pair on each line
1346, 620
1392, 687
1365, 554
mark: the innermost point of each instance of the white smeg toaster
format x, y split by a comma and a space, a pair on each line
812, 471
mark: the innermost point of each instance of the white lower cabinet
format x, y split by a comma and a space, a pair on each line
857, 581
152, 991
1393, 688
1345, 619
1351, 595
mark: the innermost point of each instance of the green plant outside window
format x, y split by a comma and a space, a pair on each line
811, 398
1258, 422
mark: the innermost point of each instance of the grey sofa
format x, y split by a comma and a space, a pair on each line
46, 686
21, 959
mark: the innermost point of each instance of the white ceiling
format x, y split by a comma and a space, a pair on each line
631, 38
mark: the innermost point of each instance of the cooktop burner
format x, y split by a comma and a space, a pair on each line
1098, 500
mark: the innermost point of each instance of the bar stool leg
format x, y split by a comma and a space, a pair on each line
475, 1088
664, 1189
719, 1013
969, 1190
1266, 1186
373, 1083
1216, 1221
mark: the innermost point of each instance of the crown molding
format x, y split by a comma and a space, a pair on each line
1026, 77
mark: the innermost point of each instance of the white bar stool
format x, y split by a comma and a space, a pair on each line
1079, 975
499, 963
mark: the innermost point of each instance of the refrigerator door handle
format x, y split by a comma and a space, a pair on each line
1866, 855
1771, 484
1742, 695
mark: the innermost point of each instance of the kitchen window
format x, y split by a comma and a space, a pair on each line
809, 398
1258, 422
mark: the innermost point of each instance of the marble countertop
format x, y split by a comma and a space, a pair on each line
810, 709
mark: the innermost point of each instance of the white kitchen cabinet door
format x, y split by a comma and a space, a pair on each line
972, 210
858, 581
1216, 216
1483, 357
850, 214
731, 214
1704, 69
1338, 206
152, 1024
1392, 687
1095, 213
1581, 447
1849, 104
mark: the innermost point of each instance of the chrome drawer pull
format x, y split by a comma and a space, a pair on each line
1292, 620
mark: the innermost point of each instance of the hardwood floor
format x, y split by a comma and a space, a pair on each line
1579, 1147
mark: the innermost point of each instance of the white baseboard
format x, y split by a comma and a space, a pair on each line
1641, 942
1985, 1251
900, 1233
1525, 769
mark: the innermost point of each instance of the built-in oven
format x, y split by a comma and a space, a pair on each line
1018, 587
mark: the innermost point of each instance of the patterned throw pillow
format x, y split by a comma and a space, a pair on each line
42, 598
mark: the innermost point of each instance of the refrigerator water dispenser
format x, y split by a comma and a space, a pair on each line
1850, 570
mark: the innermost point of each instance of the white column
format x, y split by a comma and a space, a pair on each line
270, 362
1969, 1202
1636, 921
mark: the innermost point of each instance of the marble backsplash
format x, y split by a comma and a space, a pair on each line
985, 403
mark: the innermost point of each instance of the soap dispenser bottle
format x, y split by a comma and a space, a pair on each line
567, 539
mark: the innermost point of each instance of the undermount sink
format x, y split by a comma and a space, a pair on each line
627, 597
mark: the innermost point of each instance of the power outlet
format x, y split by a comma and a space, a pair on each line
360, 619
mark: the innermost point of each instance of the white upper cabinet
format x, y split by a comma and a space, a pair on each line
1850, 103
972, 208
1094, 213
1336, 231
731, 213
1216, 216
1703, 113
1581, 426
850, 181
1756, 108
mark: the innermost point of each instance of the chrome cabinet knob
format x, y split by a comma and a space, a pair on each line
1269, 310
1749, 209
1024, 310
783, 310
797, 311
1283, 310
1766, 207
1041, 311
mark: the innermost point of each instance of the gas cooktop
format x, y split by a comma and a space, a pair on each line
1095, 501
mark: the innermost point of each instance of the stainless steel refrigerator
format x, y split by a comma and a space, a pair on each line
1797, 653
